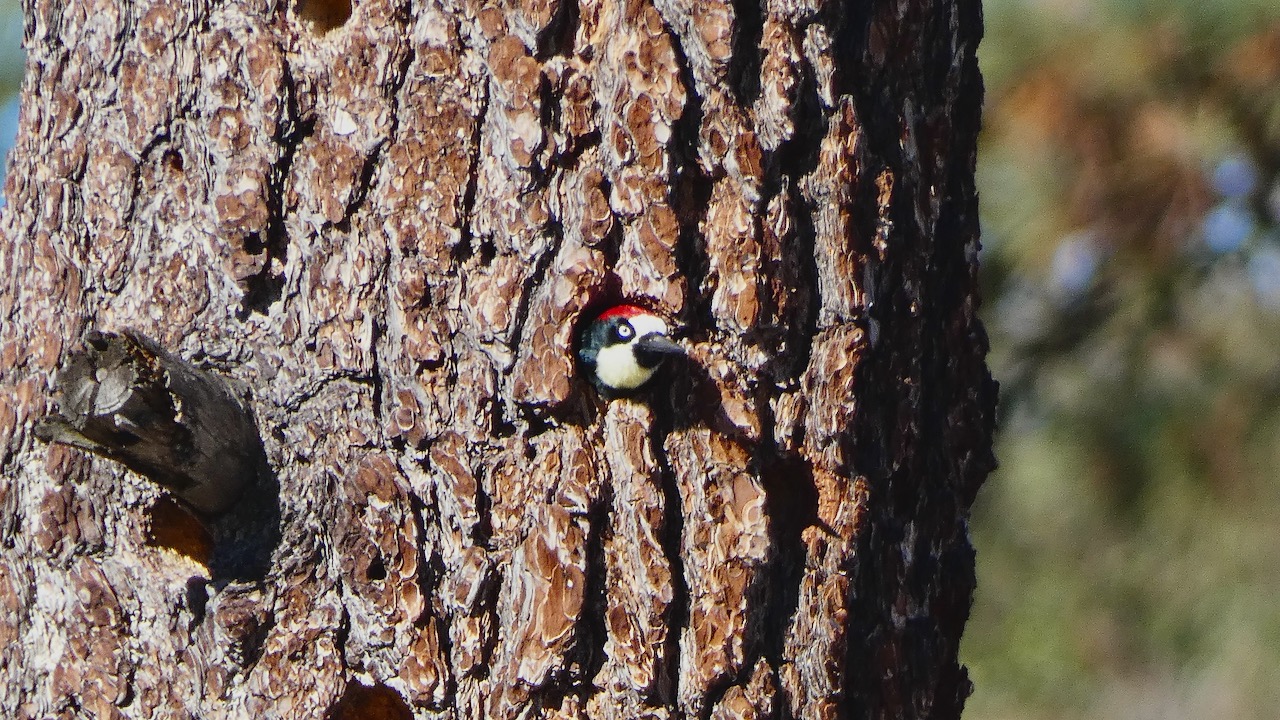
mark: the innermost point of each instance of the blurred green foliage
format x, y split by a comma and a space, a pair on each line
1129, 544
11, 57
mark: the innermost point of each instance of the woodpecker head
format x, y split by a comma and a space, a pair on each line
623, 347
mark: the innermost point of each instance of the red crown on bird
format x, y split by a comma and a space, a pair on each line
624, 311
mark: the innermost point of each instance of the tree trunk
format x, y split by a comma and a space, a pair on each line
381, 225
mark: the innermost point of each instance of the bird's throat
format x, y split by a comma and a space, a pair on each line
616, 367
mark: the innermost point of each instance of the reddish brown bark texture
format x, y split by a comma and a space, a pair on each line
386, 226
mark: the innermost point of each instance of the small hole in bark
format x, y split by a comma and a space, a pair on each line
488, 251
254, 244
370, 703
197, 600
174, 527
324, 15
261, 292
376, 570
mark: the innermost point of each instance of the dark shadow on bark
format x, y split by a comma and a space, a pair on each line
363, 702
744, 68
246, 537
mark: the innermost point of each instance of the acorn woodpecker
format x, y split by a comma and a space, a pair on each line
622, 349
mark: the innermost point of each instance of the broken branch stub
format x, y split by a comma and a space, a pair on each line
125, 398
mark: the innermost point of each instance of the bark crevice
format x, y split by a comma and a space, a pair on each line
263, 289
672, 541
744, 67
463, 250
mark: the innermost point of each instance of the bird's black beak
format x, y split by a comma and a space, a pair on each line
651, 348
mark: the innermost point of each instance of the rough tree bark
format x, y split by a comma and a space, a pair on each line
383, 223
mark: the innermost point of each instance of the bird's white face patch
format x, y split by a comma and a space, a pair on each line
616, 365
645, 324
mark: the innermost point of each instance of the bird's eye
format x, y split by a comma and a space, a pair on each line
624, 331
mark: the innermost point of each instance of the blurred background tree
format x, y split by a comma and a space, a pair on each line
1129, 546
